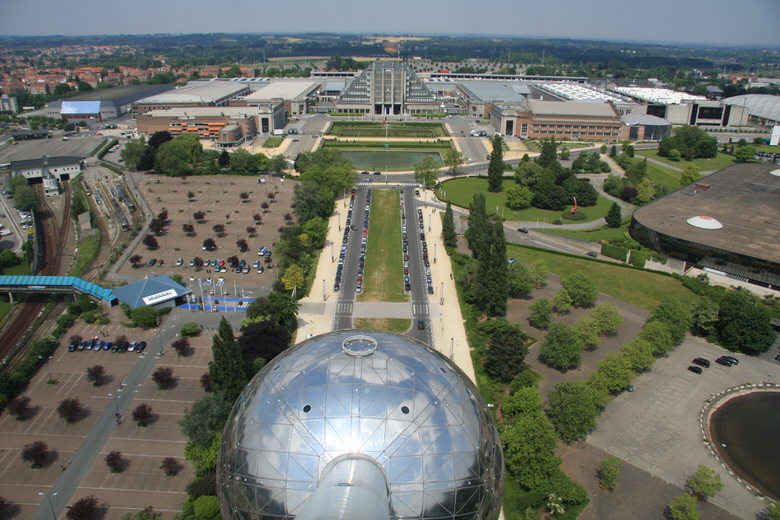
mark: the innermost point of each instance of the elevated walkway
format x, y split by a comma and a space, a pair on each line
55, 284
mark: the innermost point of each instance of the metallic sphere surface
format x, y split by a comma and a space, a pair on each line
384, 398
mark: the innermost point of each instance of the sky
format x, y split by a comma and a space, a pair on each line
724, 22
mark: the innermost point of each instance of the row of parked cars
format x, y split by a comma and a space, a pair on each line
348, 227
98, 345
219, 265
700, 363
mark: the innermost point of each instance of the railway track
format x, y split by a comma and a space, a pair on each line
55, 231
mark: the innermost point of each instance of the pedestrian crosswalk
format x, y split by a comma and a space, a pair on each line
391, 183
345, 308
419, 309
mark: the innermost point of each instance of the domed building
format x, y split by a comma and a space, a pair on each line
360, 424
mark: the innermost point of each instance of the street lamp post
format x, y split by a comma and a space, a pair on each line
48, 499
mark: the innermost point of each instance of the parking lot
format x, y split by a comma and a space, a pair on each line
220, 199
657, 429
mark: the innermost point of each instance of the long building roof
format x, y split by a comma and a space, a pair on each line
208, 91
760, 105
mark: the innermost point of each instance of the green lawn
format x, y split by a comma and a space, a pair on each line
398, 325
88, 248
642, 288
766, 148
383, 279
370, 129
666, 176
273, 142
536, 146
461, 191
716, 163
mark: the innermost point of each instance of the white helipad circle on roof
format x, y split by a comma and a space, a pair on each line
704, 222
776, 173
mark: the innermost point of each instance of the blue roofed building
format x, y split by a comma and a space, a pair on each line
158, 292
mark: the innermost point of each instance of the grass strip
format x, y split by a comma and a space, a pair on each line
383, 279
397, 325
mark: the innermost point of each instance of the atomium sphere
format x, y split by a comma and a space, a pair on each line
360, 424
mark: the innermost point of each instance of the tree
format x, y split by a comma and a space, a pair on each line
491, 291
529, 449
279, 307
676, 315
144, 317
199, 216
538, 273
84, 509
744, 154
704, 483
205, 382
224, 159
478, 235
541, 313
519, 283
614, 374
132, 151
209, 244
607, 319
242, 245
684, 507
206, 417
96, 374
70, 409
454, 160
170, 466
25, 197
659, 336
150, 242
638, 354
744, 323
587, 332
115, 461
689, 175
448, 228
704, 317
293, 277
506, 350
548, 156
241, 161
181, 346
609, 471
251, 230
135, 260
177, 156
19, 407
614, 217
496, 165
206, 508
581, 289
426, 171
572, 409
227, 367
142, 414
264, 339
188, 229
645, 191
36, 452
219, 229
562, 302
518, 197
561, 348
163, 377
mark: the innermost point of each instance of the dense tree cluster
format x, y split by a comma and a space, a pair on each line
486, 240
550, 184
184, 155
689, 143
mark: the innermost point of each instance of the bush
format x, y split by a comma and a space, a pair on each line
189, 330
206, 485
609, 471
616, 252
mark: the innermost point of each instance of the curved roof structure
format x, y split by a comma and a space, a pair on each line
765, 106
350, 415
43, 283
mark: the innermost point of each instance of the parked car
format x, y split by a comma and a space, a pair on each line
731, 359
725, 362
592, 254
695, 369
140, 346
701, 362
151, 262
523, 230
420, 325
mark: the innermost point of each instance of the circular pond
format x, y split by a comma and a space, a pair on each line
745, 430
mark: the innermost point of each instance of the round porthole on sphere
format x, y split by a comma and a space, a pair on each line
404, 409
306, 408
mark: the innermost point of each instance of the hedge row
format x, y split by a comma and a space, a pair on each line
13, 381
612, 251
638, 258
106, 148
